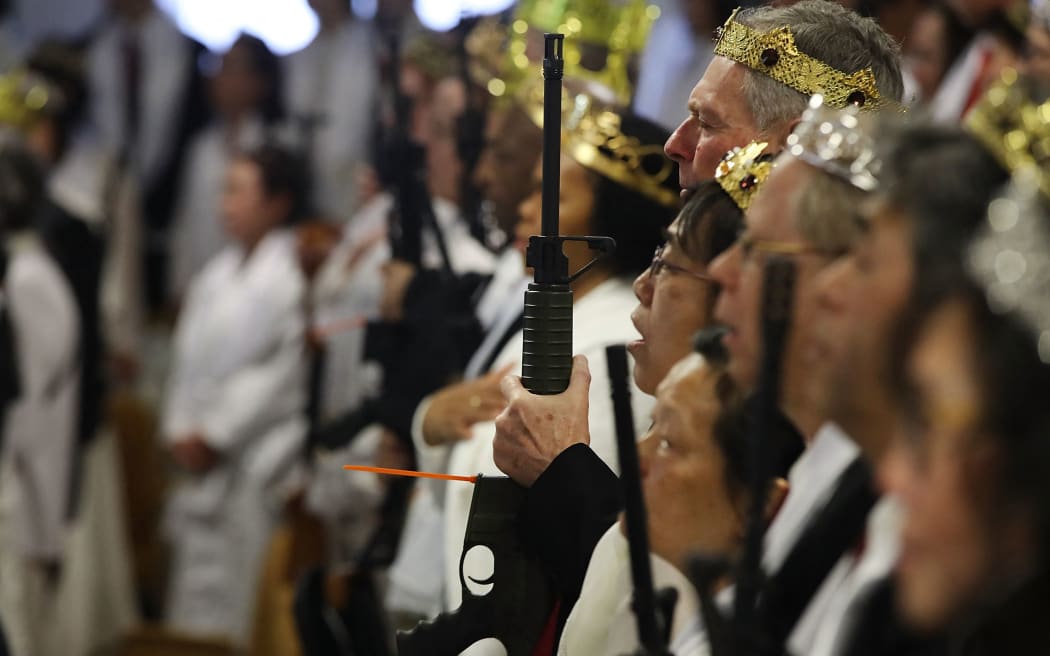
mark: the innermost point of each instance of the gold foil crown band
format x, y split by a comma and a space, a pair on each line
775, 54
742, 171
1013, 127
834, 141
594, 137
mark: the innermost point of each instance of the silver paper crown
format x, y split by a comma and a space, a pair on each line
834, 141
1010, 256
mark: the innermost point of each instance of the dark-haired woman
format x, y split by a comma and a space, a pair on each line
245, 94
971, 464
233, 419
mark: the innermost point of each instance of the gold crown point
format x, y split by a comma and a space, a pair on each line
1014, 127
742, 171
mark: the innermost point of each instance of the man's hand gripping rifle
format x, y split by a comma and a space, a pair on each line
519, 598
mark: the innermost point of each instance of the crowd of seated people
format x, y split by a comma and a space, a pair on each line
225, 276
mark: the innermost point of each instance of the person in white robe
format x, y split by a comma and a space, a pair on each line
331, 95
245, 95
234, 416
39, 427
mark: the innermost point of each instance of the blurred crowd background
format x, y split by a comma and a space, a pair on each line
157, 154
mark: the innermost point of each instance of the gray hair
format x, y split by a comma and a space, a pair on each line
831, 33
829, 213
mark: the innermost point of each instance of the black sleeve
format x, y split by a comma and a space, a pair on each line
567, 510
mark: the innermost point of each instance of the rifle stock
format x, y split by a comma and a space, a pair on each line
516, 608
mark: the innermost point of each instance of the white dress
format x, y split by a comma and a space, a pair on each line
38, 438
238, 379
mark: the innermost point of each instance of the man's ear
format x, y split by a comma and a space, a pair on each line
782, 133
778, 491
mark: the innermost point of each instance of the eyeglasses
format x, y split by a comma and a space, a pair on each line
749, 246
659, 264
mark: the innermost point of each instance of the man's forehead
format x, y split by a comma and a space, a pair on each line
722, 79
686, 385
772, 212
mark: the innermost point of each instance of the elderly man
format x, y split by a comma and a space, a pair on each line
749, 91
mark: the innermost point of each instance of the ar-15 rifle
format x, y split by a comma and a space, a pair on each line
516, 608
652, 610
742, 635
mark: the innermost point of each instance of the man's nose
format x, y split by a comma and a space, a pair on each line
643, 287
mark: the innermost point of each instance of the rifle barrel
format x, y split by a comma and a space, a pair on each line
553, 69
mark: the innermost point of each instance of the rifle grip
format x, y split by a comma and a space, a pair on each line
546, 359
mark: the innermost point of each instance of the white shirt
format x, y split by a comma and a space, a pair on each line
833, 610
602, 622
165, 73
197, 232
948, 105
39, 427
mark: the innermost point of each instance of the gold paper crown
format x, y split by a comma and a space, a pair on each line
25, 98
611, 32
592, 135
775, 54
743, 170
1013, 127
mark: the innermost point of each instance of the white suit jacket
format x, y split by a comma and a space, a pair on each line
39, 428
